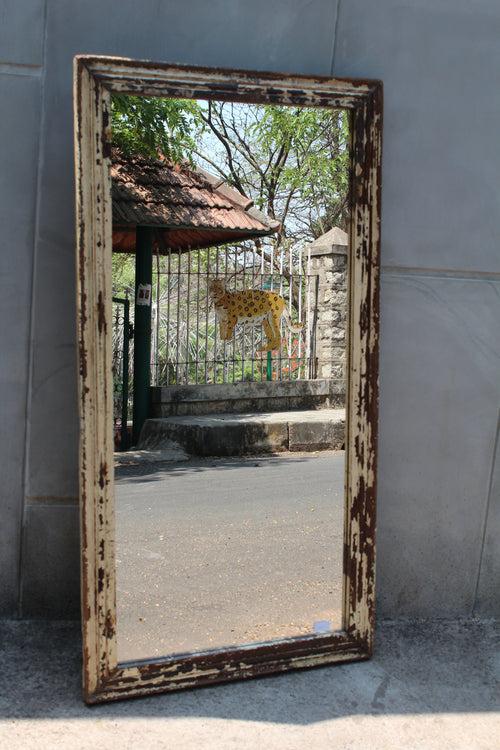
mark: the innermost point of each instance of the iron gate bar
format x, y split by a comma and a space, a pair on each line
157, 321
177, 357
206, 318
169, 271
197, 314
178, 316
127, 334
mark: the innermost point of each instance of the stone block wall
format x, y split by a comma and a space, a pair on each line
329, 298
245, 397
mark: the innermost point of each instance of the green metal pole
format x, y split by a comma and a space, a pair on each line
142, 328
269, 373
126, 351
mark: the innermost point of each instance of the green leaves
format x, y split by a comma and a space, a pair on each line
123, 274
151, 126
292, 162
314, 148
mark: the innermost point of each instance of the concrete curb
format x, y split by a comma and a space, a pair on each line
239, 434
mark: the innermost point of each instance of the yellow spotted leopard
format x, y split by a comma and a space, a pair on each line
250, 305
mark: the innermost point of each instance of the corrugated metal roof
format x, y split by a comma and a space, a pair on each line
190, 207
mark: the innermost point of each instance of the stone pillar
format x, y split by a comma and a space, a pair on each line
329, 306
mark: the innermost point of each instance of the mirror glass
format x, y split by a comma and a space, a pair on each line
230, 301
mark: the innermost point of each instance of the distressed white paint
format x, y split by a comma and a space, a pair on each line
104, 678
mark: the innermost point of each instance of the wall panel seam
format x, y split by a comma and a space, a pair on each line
39, 500
29, 385
17, 69
440, 273
335, 35
486, 512
335, 29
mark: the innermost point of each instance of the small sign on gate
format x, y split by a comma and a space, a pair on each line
144, 295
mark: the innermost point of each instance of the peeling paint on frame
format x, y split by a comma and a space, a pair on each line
95, 78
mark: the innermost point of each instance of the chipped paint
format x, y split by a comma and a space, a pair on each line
94, 80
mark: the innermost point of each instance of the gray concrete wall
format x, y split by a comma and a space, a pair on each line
438, 492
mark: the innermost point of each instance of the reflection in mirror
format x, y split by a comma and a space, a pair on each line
230, 261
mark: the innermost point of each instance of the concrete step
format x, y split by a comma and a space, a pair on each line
239, 434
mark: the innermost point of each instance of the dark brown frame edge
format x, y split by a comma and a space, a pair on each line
95, 78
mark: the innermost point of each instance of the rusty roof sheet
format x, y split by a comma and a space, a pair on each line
190, 207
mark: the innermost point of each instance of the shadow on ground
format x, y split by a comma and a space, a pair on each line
150, 471
422, 667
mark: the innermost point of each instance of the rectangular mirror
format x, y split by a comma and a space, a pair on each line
228, 230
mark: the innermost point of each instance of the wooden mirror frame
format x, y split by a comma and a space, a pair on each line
95, 78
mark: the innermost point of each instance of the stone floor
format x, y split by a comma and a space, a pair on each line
431, 685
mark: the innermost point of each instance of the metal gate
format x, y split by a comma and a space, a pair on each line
123, 332
186, 343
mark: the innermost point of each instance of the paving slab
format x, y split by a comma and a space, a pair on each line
239, 434
431, 685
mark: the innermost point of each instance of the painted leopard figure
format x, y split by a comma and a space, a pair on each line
253, 306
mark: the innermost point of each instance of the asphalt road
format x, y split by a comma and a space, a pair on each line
216, 552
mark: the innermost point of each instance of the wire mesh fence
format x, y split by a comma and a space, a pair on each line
187, 347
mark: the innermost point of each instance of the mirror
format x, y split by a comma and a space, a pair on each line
228, 232
229, 487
